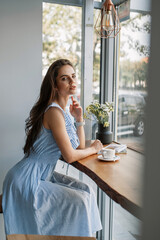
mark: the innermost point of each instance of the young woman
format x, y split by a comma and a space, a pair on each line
36, 199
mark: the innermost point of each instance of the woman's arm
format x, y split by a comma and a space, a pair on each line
77, 112
81, 136
55, 120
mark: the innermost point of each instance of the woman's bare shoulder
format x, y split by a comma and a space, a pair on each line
53, 115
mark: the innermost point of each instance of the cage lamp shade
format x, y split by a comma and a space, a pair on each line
107, 24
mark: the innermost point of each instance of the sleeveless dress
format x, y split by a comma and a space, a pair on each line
38, 200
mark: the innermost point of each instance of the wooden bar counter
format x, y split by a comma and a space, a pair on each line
120, 180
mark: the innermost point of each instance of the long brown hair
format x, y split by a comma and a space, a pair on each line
47, 93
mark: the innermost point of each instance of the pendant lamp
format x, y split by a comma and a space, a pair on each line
107, 24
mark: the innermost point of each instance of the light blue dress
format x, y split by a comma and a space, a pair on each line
38, 200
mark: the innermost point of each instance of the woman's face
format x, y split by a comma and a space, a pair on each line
66, 81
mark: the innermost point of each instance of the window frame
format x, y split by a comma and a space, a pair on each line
109, 67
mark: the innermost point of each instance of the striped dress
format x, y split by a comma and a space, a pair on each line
39, 200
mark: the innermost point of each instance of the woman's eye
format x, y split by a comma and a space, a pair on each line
64, 78
68, 78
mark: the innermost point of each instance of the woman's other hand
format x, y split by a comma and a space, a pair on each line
76, 110
97, 145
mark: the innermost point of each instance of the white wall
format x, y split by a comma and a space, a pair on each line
20, 76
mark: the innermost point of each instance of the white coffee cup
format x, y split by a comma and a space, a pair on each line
108, 153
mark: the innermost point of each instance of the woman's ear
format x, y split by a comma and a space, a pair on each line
55, 86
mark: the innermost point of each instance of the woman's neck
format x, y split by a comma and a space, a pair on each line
62, 102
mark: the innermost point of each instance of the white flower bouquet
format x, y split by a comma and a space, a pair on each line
100, 112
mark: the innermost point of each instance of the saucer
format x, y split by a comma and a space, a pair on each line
109, 159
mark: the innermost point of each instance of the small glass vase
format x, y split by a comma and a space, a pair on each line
104, 134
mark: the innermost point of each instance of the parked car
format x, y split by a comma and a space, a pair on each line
131, 112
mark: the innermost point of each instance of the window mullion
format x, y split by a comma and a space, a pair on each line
87, 59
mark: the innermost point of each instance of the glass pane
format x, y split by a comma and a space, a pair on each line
96, 61
133, 69
62, 27
126, 226
132, 94
96, 70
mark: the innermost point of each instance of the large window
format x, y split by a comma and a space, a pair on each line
96, 71
62, 38
133, 71
96, 61
62, 26
132, 96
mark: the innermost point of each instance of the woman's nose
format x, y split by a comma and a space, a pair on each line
72, 80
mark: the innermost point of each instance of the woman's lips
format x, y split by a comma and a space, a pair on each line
73, 87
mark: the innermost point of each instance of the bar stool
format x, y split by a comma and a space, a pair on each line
45, 237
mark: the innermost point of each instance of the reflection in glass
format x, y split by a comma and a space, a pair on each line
133, 73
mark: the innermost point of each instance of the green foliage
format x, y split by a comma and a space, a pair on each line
61, 34
133, 74
62, 25
62, 39
135, 36
138, 23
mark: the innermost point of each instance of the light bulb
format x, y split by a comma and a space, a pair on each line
108, 21
107, 24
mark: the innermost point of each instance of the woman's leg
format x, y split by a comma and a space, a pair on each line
69, 182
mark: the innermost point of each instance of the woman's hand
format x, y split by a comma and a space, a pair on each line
76, 110
97, 145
